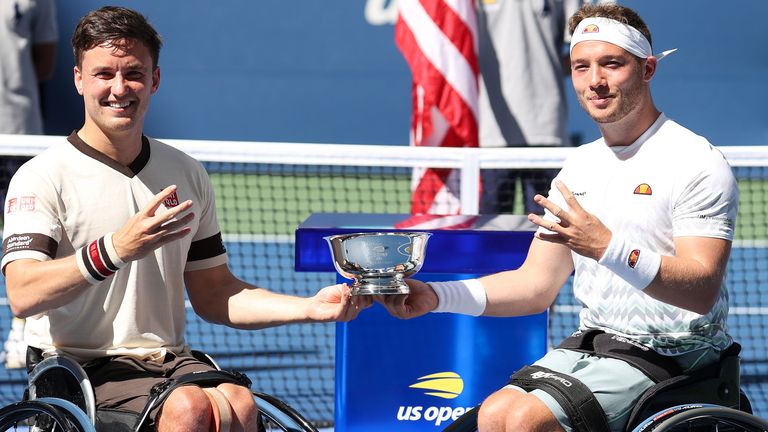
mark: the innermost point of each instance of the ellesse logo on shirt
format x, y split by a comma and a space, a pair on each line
643, 189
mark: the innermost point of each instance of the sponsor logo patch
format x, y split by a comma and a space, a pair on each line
18, 242
633, 257
171, 200
643, 189
25, 203
549, 375
630, 342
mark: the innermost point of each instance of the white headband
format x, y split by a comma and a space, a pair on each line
614, 32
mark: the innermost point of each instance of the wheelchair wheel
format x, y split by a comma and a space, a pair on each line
466, 423
276, 415
44, 415
702, 418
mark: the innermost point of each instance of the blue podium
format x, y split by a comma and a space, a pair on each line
421, 374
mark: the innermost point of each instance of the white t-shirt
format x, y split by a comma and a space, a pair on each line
70, 195
669, 183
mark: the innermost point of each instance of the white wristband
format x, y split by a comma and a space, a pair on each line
637, 265
463, 297
112, 252
98, 260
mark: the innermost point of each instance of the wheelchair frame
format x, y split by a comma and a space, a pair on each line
666, 420
660, 408
80, 414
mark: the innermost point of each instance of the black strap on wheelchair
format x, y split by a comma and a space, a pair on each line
676, 382
655, 366
160, 391
581, 406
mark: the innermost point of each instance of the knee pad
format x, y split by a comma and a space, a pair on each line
576, 399
222, 409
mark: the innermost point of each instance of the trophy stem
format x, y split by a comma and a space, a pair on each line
372, 285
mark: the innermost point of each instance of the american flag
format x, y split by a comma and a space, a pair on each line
438, 39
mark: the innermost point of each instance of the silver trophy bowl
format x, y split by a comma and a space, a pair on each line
377, 262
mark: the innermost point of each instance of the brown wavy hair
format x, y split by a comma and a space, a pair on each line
117, 27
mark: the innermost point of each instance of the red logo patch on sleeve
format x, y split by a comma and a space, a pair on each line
25, 203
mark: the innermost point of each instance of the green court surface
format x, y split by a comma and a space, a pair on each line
277, 204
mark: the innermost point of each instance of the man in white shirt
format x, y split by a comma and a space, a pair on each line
644, 216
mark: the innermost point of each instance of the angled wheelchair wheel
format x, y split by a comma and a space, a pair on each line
465, 423
58, 377
276, 415
702, 418
44, 415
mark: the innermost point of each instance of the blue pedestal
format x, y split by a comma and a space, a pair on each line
420, 374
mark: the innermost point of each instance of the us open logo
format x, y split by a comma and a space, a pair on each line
442, 385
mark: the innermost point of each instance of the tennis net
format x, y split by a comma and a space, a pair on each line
265, 190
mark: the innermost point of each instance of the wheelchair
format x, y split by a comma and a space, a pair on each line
667, 406
59, 397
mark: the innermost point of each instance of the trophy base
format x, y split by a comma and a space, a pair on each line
379, 286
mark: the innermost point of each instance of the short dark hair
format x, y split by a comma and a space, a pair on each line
118, 27
615, 12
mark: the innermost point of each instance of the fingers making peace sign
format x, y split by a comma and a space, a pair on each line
149, 229
581, 231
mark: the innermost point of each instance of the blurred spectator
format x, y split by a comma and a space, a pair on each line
28, 37
522, 94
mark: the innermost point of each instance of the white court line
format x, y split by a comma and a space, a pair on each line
258, 238
735, 310
287, 238
750, 243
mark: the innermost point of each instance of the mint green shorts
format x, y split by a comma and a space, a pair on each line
616, 384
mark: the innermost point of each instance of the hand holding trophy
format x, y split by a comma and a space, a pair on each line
378, 262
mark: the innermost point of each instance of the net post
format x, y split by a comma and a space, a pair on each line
470, 183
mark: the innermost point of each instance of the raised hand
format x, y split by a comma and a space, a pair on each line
581, 231
147, 230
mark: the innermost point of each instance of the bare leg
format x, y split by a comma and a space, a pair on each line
186, 409
244, 409
509, 410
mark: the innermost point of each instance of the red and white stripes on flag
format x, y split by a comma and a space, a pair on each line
438, 39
